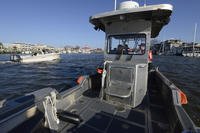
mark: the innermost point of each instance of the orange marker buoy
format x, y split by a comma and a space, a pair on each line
150, 56
100, 71
80, 79
183, 97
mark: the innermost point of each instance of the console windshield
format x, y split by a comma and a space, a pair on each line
131, 44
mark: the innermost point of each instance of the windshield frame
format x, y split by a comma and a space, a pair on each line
108, 44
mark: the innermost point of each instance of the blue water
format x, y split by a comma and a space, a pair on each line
184, 72
17, 79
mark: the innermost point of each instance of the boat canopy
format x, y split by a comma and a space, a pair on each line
159, 15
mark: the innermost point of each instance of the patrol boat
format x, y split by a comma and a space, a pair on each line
125, 96
39, 56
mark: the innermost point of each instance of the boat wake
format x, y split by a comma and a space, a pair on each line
6, 62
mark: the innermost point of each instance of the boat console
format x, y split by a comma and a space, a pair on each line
128, 31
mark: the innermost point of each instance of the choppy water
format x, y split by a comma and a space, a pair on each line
17, 79
184, 72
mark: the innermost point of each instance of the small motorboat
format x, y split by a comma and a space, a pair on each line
190, 51
125, 96
39, 56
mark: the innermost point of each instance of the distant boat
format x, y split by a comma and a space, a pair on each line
188, 51
86, 52
39, 56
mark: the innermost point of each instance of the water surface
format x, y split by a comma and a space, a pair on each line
17, 79
184, 72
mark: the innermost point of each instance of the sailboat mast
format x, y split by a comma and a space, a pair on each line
194, 40
115, 6
145, 2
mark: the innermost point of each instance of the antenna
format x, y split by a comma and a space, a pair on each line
115, 5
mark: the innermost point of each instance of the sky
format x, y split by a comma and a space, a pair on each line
66, 22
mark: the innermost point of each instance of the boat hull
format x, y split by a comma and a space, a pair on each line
37, 58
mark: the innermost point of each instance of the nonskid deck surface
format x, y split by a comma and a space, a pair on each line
101, 117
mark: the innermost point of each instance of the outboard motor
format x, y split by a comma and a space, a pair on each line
15, 58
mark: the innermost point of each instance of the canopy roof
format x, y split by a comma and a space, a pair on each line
159, 15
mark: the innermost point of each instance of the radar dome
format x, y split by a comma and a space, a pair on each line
128, 5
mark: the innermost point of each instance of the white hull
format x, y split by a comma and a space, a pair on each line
37, 58
191, 54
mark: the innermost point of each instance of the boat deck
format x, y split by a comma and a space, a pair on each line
102, 117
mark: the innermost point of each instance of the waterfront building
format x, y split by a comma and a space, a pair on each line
26, 48
86, 50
